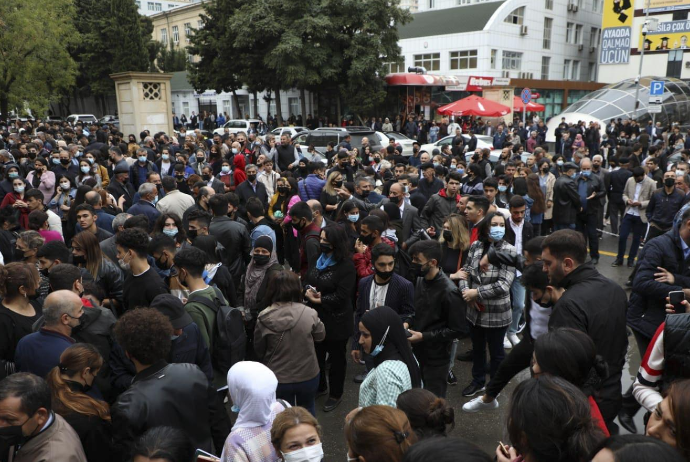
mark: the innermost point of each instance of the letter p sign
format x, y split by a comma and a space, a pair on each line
656, 88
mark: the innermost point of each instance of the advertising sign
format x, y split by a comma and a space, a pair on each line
657, 6
616, 32
671, 35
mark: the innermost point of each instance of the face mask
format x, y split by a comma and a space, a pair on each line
574, 176
308, 454
56, 161
12, 436
437, 164
172, 232
64, 161
447, 235
545, 304
326, 248
123, 265
497, 232
261, 260
174, 337
680, 173
367, 240
377, 160
385, 275
235, 408
418, 270
160, 264
142, 159
85, 169
339, 184
234, 150
225, 168
364, 193
179, 177
19, 189
559, 162
353, 218
13, 175
283, 189
586, 173
18, 254
461, 171
668, 182
192, 233
78, 260
165, 156
65, 185
206, 177
251, 178
503, 188
379, 347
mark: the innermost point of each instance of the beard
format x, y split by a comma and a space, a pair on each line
556, 276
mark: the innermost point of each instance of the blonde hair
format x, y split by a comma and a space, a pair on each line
460, 232
328, 187
290, 418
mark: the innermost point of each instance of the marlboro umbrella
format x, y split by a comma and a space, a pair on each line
531, 106
474, 106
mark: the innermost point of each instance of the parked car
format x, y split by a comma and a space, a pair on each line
320, 137
237, 125
109, 119
86, 119
290, 131
53, 119
400, 140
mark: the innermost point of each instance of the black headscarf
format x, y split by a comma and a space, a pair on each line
396, 346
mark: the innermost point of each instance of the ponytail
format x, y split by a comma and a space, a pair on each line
440, 416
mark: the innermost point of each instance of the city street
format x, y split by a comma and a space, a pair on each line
484, 428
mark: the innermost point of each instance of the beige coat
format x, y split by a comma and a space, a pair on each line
57, 443
646, 193
175, 202
550, 181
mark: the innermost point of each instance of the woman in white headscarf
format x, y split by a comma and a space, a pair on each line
252, 388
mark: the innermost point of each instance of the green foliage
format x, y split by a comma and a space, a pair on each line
170, 58
35, 65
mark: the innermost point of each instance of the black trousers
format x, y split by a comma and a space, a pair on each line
653, 232
336, 350
519, 358
435, 378
630, 404
616, 212
586, 223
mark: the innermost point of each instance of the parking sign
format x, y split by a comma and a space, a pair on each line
656, 91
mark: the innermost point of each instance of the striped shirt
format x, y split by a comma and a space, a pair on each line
646, 386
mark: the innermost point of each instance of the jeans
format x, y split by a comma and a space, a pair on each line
453, 352
587, 225
519, 358
558, 226
616, 210
517, 295
336, 350
630, 223
300, 393
481, 336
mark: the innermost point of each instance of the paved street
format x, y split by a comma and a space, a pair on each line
485, 428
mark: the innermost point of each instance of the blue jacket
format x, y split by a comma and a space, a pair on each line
40, 352
310, 187
145, 208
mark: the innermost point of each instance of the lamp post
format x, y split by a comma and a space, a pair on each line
645, 30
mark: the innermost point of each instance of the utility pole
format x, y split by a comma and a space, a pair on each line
639, 72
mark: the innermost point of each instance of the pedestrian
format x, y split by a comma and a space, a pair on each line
429, 415
637, 193
296, 432
164, 444
378, 434
566, 200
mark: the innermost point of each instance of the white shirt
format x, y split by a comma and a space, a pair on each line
377, 296
517, 229
538, 319
635, 211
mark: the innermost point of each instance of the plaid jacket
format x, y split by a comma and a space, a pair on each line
493, 287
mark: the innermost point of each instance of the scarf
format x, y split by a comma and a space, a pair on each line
252, 387
254, 278
324, 262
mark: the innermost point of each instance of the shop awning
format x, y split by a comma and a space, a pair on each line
474, 106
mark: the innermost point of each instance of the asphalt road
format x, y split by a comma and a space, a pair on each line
484, 428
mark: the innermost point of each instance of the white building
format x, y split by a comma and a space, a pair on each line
150, 7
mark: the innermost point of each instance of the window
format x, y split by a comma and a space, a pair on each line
493, 59
545, 63
138, 4
548, 4
680, 15
596, 6
578, 34
675, 61
200, 24
175, 34
172, 106
226, 106
567, 64
430, 61
149, 6
512, 60
187, 31
569, 32
185, 108
463, 59
517, 16
393, 68
594, 37
548, 26
164, 36
170, 6
294, 108
576, 71
592, 72
158, 7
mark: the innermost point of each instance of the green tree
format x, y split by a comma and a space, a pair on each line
35, 65
169, 59
127, 37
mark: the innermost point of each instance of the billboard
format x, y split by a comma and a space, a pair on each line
671, 35
658, 6
616, 32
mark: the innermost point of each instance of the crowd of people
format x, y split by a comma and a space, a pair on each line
170, 296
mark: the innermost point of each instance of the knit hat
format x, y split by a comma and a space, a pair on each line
265, 242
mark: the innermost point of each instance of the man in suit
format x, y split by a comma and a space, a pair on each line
408, 213
383, 288
566, 200
120, 187
251, 188
636, 195
591, 192
619, 178
605, 179
211, 181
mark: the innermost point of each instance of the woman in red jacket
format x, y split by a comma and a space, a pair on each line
16, 200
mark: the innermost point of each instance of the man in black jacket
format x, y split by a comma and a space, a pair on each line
120, 187
566, 200
232, 235
591, 191
251, 188
174, 395
663, 206
616, 203
439, 315
592, 304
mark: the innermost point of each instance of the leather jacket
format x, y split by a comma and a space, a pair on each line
235, 238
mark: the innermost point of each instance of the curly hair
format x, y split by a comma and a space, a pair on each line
144, 333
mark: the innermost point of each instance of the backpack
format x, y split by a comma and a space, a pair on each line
403, 261
231, 339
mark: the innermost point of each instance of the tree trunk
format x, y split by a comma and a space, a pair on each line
339, 116
268, 104
4, 106
237, 104
303, 99
256, 104
279, 109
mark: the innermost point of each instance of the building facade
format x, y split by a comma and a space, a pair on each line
151, 7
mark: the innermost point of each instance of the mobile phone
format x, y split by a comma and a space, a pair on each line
675, 298
504, 449
408, 334
308, 287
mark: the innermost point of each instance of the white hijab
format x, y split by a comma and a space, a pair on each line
252, 387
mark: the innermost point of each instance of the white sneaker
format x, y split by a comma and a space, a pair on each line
506, 343
513, 338
478, 404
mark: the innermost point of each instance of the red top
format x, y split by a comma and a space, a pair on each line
10, 199
596, 416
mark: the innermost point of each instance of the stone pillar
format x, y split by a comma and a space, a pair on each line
143, 102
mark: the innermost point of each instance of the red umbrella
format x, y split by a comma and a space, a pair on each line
474, 106
531, 106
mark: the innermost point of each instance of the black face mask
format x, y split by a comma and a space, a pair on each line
206, 177
18, 254
160, 264
64, 161
366, 240
179, 177
385, 275
418, 270
339, 184
261, 260
364, 193
326, 248
298, 225
447, 235
283, 189
377, 160
11, 436
192, 233
669, 182
78, 260
251, 178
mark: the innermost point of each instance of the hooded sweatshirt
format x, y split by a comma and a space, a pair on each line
283, 329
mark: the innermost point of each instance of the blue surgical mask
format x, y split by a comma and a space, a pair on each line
172, 232
235, 408
90, 160
503, 188
13, 175
559, 162
85, 169
574, 176
586, 173
165, 156
461, 171
79, 154
353, 218
379, 348
235, 150
437, 164
143, 159
155, 201
19, 189
497, 232
56, 161
225, 168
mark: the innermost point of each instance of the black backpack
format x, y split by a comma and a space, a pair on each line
231, 338
403, 261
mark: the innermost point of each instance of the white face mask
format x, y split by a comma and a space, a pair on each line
306, 454
64, 185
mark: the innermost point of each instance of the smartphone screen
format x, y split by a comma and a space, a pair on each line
675, 298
